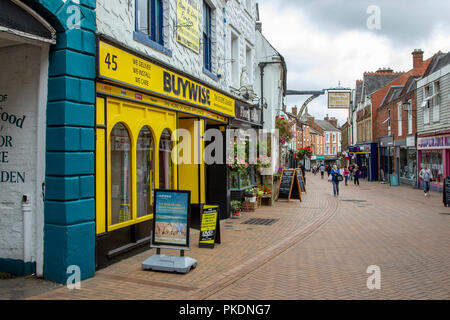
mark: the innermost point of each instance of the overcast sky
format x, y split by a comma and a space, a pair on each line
327, 41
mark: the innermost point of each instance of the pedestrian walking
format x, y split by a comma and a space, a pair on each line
346, 175
336, 178
322, 170
351, 172
427, 176
356, 174
328, 170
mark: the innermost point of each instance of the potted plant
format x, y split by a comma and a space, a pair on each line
251, 194
236, 208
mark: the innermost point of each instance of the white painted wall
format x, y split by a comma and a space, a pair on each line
116, 19
273, 75
26, 87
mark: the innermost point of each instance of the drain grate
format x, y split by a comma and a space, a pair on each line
259, 221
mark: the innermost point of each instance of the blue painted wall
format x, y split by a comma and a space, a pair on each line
69, 232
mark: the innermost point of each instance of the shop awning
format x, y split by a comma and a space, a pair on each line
18, 19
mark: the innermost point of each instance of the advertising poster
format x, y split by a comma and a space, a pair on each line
210, 227
171, 224
187, 24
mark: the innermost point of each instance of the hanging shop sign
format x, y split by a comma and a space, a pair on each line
437, 142
339, 99
289, 187
187, 24
132, 95
247, 113
209, 227
128, 69
171, 219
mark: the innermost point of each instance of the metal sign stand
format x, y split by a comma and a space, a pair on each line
161, 262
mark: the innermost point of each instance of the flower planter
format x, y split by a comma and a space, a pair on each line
236, 215
252, 199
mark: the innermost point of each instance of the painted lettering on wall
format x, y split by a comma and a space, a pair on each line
7, 144
10, 118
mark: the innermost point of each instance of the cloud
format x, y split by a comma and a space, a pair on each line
326, 42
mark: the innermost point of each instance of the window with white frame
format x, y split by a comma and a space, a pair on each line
234, 56
436, 101
410, 118
328, 150
432, 96
400, 120
328, 138
334, 137
249, 63
334, 150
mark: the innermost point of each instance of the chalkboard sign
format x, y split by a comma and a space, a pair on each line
209, 227
301, 180
289, 187
447, 191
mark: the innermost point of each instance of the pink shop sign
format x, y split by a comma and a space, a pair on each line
439, 142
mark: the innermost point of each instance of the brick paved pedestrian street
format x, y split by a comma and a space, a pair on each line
318, 249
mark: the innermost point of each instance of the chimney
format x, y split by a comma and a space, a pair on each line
294, 111
384, 70
417, 58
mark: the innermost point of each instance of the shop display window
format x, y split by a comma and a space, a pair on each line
145, 172
433, 159
120, 149
408, 163
165, 161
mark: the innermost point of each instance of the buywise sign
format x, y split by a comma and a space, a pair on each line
123, 67
438, 142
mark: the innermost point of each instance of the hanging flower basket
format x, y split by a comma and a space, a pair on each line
303, 153
284, 129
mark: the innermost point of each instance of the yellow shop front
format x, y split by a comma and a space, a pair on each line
140, 105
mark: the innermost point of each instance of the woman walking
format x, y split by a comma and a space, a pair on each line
346, 174
356, 174
337, 177
427, 176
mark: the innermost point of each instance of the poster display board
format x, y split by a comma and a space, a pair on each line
301, 180
171, 219
209, 227
289, 187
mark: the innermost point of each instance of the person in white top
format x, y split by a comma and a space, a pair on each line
426, 175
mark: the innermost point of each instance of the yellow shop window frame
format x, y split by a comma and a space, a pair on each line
135, 117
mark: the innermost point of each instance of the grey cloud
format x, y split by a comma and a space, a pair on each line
402, 21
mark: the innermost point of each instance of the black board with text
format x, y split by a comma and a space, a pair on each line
301, 180
289, 187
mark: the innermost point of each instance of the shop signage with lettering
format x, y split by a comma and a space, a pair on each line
437, 142
247, 113
128, 69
